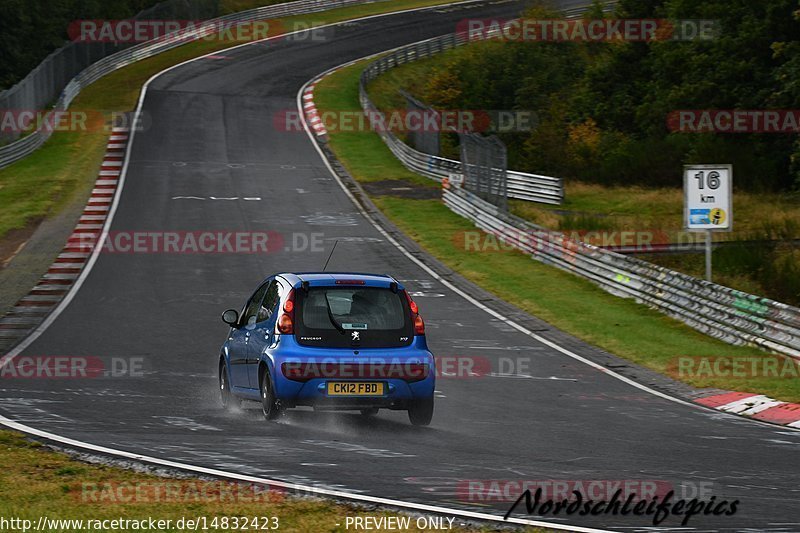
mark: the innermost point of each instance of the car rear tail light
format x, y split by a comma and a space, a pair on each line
350, 282
285, 323
409, 372
419, 324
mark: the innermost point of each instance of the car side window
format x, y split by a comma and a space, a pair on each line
253, 305
270, 300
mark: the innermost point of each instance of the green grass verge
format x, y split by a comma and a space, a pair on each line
67, 164
38, 482
570, 303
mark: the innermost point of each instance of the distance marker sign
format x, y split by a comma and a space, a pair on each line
707, 197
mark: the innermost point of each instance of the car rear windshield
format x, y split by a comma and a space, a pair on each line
353, 317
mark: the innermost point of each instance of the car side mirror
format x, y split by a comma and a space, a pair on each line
231, 317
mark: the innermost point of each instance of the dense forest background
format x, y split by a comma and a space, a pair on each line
603, 107
31, 29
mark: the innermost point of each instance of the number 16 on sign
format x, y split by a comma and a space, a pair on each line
708, 204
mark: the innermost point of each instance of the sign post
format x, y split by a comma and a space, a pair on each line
708, 204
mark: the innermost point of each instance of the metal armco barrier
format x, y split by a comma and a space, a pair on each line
521, 185
721, 312
30, 94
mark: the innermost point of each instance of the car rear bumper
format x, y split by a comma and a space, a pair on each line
396, 394
398, 369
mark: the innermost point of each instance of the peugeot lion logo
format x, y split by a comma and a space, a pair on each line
356, 336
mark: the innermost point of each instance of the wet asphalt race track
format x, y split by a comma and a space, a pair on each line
212, 135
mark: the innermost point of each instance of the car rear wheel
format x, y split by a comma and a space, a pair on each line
420, 413
226, 397
269, 403
370, 411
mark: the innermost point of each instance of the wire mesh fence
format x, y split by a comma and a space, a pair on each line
484, 165
425, 140
519, 185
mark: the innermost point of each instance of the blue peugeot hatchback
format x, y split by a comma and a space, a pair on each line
333, 341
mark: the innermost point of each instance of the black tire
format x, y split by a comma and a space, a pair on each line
269, 403
420, 412
227, 399
370, 411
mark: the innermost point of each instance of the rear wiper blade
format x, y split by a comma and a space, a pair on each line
330, 316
